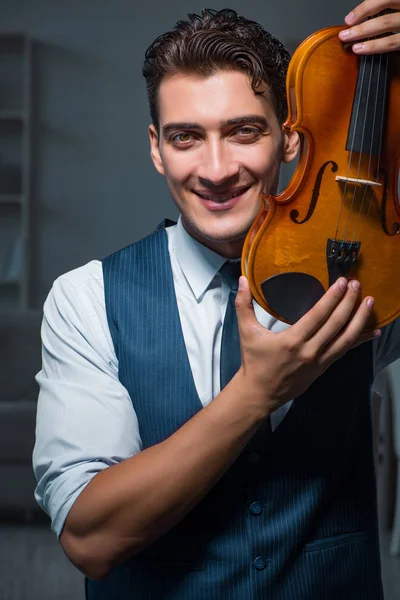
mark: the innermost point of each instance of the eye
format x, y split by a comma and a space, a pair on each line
246, 134
247, 131
182, 138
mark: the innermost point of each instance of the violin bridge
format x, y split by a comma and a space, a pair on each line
358, 181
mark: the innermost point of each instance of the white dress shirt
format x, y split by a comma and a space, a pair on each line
85, 417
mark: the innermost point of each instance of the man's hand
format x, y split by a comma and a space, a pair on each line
277, 367
360, 29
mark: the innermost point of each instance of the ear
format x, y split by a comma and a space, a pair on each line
155, 149
291, 145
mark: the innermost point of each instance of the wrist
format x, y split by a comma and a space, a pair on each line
252, 394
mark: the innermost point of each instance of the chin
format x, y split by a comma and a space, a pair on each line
218, 234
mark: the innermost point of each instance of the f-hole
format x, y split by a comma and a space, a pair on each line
315, 194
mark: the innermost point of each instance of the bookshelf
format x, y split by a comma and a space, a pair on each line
15, 169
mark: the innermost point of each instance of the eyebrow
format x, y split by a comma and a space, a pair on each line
243, 120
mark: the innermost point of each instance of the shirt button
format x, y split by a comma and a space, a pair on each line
260, 563
253, 458
256, 508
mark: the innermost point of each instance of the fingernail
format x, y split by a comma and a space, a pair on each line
377, 332
358, 47
241, 282
344, 34
350, 17
355, 285
370, 302
342, 283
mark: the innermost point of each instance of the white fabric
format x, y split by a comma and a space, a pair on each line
85, 418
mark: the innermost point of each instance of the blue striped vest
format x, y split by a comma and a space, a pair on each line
295, 517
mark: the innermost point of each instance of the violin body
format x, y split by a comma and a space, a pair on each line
340, 214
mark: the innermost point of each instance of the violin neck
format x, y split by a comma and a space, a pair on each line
369, 104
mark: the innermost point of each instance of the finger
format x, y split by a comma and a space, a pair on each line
368, 8
337, 320
384, 24
389, 43
244, 309
350, 334
366, 337
317, 316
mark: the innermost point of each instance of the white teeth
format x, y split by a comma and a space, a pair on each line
221, 198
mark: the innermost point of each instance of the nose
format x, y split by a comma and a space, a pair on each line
218, 165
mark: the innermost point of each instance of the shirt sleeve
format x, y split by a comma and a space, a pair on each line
85, 418
387, 346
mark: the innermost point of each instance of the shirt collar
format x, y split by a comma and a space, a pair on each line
198, 263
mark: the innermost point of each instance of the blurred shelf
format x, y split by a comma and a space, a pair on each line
17, 36
16, 199
9, 282
12, 115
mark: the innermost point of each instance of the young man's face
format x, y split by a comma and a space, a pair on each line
219, 147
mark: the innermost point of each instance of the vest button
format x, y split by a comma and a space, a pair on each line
253, 458
260, 563
256, 508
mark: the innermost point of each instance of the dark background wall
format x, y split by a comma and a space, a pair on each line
94, 187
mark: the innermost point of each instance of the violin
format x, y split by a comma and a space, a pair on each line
339, 216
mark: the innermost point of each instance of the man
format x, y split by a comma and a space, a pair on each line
154, 490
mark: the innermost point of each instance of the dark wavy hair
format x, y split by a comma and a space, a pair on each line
218, 40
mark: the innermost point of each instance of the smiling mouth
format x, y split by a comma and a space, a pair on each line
223, 197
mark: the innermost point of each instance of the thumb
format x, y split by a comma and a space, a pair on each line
244, 302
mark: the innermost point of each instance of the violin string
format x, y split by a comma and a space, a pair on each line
382, 118
386, 58
363, 62
371, 188
350, 212
368, 188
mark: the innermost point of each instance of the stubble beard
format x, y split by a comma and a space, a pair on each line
213, 239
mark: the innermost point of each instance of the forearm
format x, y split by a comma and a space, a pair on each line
128, 506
